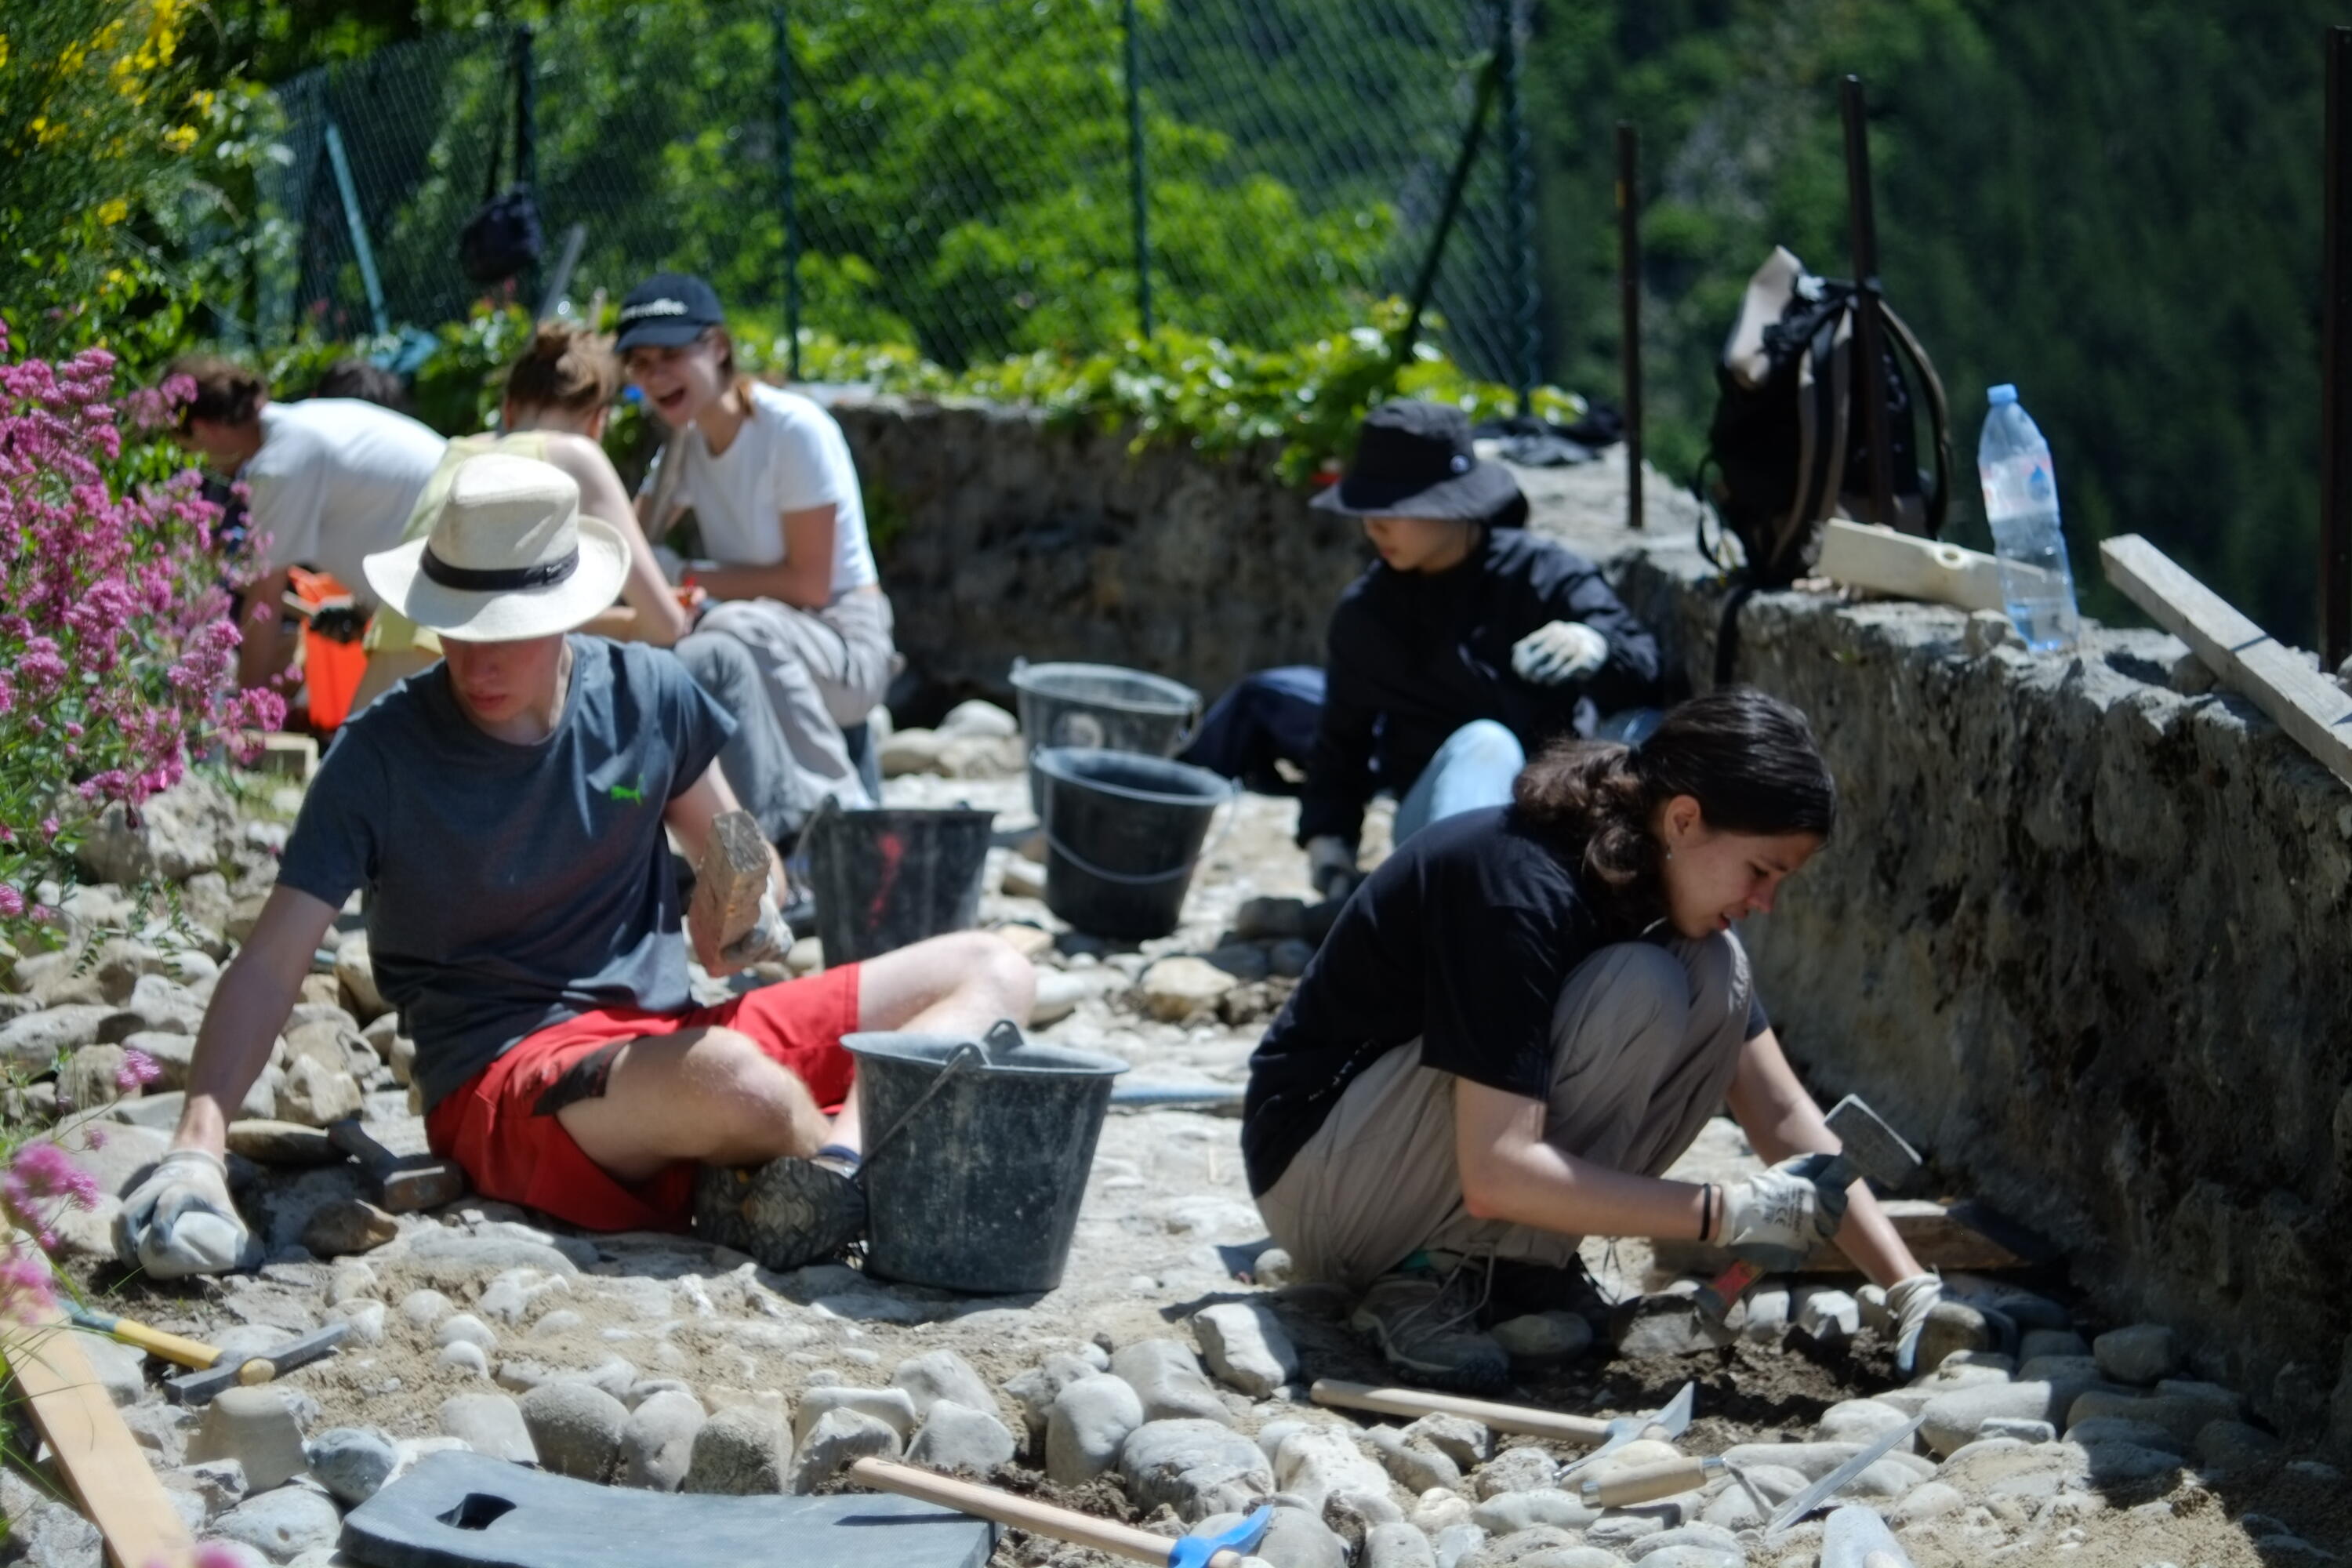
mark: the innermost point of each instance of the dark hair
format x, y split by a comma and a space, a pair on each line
226, 393
368, 383
567, 366
1748, 759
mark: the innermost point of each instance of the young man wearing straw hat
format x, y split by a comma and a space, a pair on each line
506, 812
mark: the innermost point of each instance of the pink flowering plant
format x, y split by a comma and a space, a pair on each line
117, 657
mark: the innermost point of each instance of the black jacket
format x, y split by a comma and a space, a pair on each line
1413, 657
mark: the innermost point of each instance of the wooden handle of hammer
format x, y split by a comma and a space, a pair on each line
171, 1347
1647, 1483
1023, 1513
1520, 1419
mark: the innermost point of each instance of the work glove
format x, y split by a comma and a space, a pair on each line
1559, 653
769, 938
1331, 865
1776, 1218
1909, 1302
180, 1221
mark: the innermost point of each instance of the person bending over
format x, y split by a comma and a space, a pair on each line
1528, 1013
1466, 646
557, 395
506, 812
329, 481
774, 494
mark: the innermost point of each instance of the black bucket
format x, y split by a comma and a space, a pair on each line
1122, 835
885, 878
1100, 707
980, 1156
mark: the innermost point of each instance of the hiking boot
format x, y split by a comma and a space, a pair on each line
1425, 1323
1521, 1289
787, 1213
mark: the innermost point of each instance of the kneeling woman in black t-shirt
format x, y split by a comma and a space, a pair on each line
1529, 1012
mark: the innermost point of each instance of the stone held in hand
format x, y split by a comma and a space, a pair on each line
729, 883
1247, 1347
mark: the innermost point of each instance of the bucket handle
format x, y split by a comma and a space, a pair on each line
963, 1056
1127, 878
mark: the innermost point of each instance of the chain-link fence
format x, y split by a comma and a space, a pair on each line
975, 177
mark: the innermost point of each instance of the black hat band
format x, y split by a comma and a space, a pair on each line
504, 580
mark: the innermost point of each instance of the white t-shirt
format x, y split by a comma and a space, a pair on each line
789, 456
334, 482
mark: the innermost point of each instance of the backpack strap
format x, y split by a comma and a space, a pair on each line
1726, 628
1938, 412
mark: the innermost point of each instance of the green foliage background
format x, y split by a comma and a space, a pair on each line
2115, 203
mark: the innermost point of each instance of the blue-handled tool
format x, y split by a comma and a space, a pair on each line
1225, 1550
1200, 1551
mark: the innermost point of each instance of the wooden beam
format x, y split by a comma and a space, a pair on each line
1881, 560
2304, 703
1936, 1236
103, 1466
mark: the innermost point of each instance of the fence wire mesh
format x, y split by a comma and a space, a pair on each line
958, 175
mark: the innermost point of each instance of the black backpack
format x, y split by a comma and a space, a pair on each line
503, 237
1789, 443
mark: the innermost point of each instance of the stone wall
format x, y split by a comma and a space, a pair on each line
2086, 939
1003, 534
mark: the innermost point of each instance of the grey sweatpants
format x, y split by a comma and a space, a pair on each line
1645, 1040
792, 680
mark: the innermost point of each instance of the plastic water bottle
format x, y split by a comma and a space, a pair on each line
2020, 498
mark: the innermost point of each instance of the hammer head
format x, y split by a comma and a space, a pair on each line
417, 1182
201, 1388
1873, 1147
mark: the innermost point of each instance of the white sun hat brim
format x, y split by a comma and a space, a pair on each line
513, 615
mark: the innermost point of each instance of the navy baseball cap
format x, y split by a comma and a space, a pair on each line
668, 311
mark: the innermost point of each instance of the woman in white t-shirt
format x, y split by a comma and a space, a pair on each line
768, 474
329, 481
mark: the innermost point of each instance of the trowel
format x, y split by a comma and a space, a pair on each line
1668, 1422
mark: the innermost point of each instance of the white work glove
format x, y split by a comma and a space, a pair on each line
1556, 653
180, 1221
1909, 1302
769, 938
1331, 865
1775, 1219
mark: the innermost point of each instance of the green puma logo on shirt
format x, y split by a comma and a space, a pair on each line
634, 794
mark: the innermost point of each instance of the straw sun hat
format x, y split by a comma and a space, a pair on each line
508, 556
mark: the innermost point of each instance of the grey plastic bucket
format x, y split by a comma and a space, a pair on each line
1122, 835
979, 1190
885, 878
1101, 707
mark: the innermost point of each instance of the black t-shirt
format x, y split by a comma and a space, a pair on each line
1465, 938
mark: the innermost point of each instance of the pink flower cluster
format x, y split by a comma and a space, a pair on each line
117, 657
40, 1181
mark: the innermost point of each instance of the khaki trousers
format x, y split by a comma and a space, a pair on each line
1644, 1041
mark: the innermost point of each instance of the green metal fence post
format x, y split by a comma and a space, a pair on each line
527, 142
1520, 209
1136, 181
1488, 79
356, 221
787, 193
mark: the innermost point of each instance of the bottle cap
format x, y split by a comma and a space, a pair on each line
1998, 396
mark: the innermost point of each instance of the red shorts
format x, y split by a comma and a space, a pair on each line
501, 1126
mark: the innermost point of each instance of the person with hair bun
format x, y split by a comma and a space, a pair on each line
330, 481
1526, 1014
556, 399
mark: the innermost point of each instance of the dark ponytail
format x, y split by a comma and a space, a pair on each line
1748, 759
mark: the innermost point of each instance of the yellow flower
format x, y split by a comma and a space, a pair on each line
113, 210
180, 138
200, 100
3, 49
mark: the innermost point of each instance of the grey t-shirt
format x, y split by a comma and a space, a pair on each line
511, 886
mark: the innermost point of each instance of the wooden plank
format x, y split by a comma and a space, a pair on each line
1937, 1238
2301, 700
1881, 560
103, 1466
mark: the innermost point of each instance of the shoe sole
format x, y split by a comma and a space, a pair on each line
787, 1213
1434, 1374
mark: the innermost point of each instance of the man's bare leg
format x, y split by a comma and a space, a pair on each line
712, 1095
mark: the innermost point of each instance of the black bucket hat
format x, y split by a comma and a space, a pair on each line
1414, 459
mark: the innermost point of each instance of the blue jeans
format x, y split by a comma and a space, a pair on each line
1474, 768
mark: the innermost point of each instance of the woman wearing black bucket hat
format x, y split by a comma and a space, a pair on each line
1468, 644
